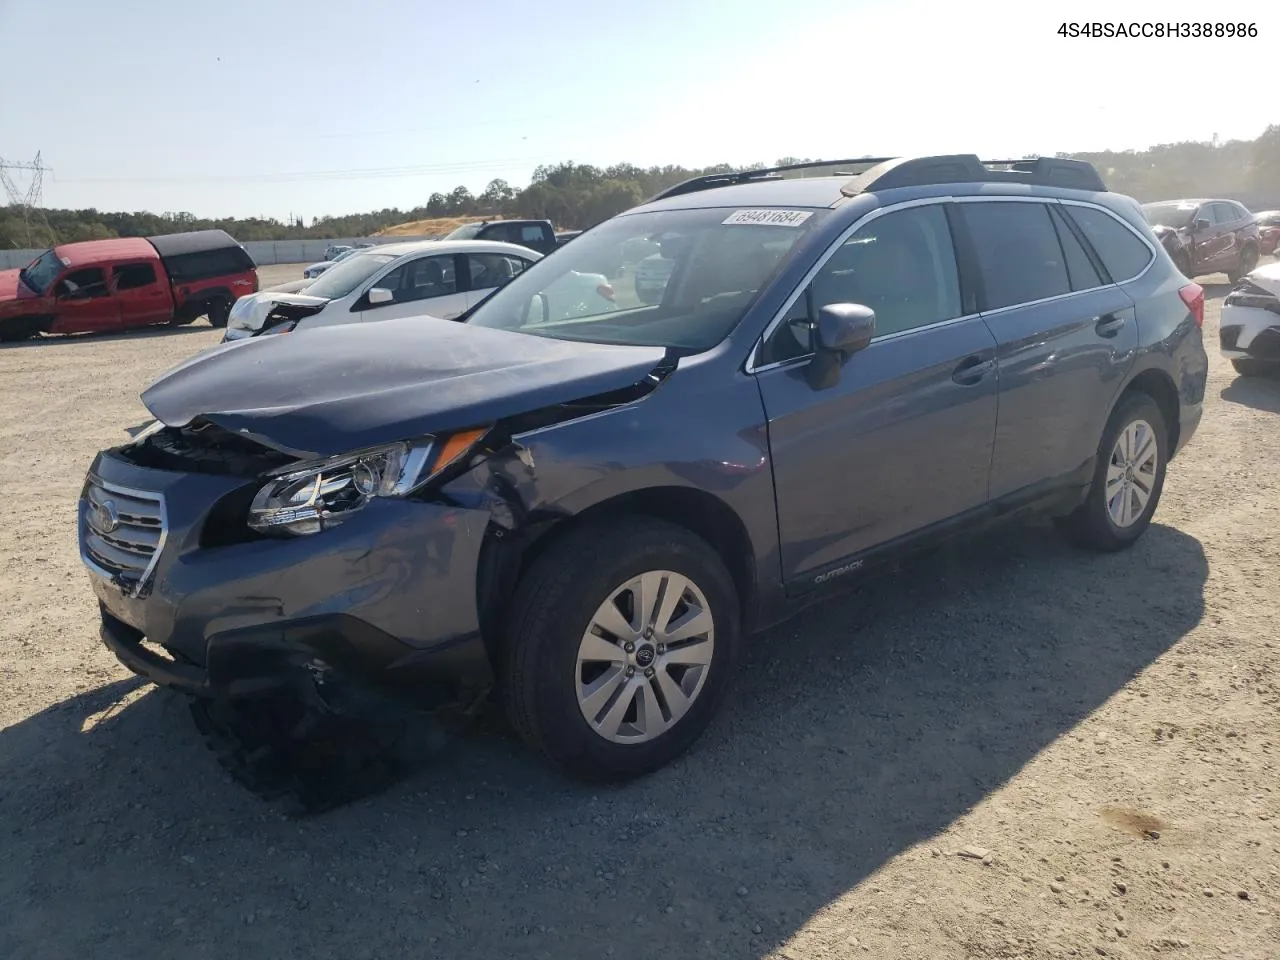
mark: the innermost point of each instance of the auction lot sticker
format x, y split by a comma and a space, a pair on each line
770, 218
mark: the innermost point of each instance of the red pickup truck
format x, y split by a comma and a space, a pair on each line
126, 282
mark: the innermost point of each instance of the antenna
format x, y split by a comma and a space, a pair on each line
27, 201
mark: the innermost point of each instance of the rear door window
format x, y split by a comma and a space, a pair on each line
1019, 255
131, 276
493, 269
1121, 252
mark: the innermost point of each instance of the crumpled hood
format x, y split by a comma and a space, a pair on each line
250, 311
1267, 277
336, 389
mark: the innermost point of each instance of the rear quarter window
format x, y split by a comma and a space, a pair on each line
209, 263
1121, 252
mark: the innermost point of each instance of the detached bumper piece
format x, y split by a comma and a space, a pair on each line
301, 717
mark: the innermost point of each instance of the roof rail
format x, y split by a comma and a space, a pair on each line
712, 180
967, 168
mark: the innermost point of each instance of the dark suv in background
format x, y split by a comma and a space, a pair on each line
1206, 236
590, 515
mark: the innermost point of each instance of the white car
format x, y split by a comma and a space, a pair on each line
423, 278
651, 277
314, 270
1249, 332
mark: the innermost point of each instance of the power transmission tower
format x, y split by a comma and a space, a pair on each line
27, 201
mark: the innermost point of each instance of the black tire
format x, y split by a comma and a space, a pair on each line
1248, 260
18, 329
552, 609
218, 312
1248, 367
1090, 525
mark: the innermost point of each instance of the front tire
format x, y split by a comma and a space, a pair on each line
1248, 367
619, 648
18, 329
1127, 480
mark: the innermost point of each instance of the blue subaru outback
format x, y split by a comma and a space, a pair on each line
586, 512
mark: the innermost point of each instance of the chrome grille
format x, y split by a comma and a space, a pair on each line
122, 531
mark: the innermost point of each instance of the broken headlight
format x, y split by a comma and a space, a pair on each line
309, 497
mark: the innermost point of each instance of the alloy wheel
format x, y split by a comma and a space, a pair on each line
644, 658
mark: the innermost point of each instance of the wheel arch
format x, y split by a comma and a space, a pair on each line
505, 557
1159, 386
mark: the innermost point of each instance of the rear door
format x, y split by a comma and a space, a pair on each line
84, 302
1232, 224
1066, 337
426, 286
142, 293
903, 440
486, 272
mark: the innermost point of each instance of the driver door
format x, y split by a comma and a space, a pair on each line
84, 302
903, 440
427, 286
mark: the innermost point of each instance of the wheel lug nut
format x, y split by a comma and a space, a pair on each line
630, 648
662, 648
648, 672
631, 671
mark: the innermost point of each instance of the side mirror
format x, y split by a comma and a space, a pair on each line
1200, 224
538, 310
841, 331
380, 295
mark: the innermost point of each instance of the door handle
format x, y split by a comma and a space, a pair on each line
1109, 325
971, 370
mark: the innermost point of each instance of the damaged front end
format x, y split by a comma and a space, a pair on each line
272, 311
311, 543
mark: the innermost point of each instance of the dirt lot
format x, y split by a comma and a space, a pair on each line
1009, 750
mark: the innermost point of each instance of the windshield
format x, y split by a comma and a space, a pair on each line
41, 272
1174, 215
701, 271
342, 278
467, 232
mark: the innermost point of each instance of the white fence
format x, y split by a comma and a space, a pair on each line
263, 251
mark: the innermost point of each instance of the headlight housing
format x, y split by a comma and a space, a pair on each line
309, 497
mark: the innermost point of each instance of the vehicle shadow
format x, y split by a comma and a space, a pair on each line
1261, 393
858, 730
137, 333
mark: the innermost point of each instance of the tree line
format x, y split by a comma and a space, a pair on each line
574, 195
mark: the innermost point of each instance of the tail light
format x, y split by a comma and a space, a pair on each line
1193, 296
605, 290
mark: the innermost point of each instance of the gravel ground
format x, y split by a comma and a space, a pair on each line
1008, 750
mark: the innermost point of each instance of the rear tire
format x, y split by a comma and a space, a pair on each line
1248, 260
218, 312
1255, 368
565, 679
1126, 486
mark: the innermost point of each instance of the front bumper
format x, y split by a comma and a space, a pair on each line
1249, 333
390, 595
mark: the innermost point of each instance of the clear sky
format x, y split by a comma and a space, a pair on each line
335, 106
